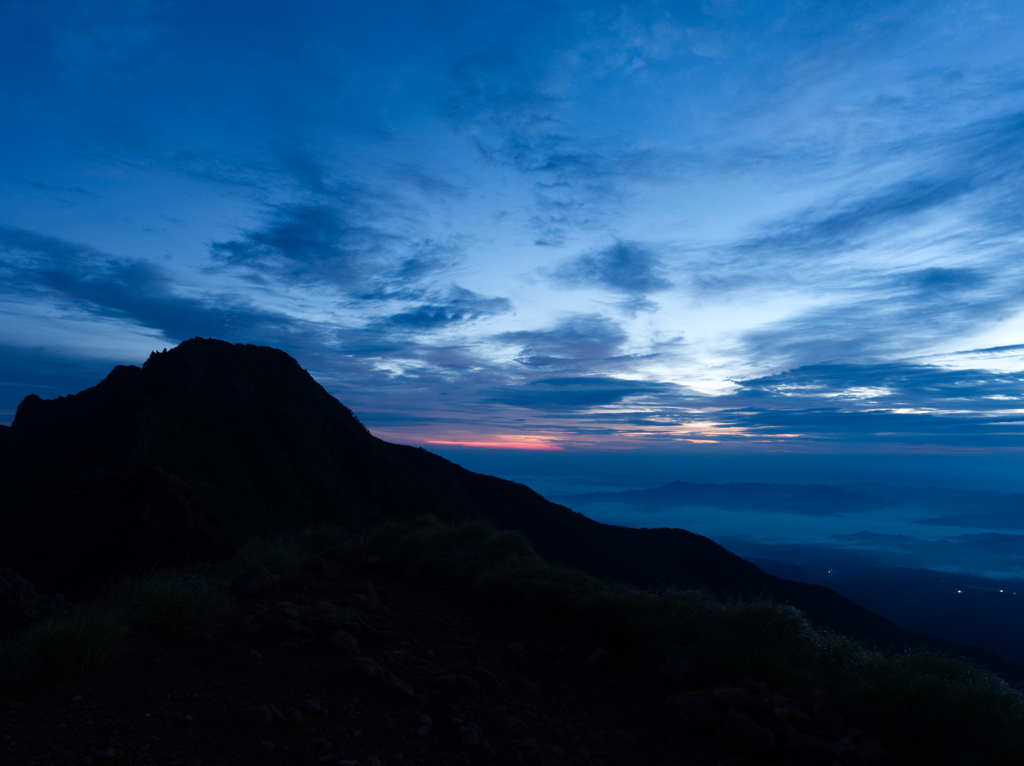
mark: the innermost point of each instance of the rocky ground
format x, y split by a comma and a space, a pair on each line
374, 668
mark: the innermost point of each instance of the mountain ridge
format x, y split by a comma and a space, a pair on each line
210, 443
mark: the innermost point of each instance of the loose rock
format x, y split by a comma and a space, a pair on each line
401, 686
344, 642
311, 706
254, 582
821, 708
811, 750
871, 751
367, 668
463, 682
473, 738
728, 695
319, 743
21, 605
259, 715
696, 710
746, 736
680, 666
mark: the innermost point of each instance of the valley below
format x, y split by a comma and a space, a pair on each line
947, 564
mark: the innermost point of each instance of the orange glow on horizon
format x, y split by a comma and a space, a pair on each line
541, 446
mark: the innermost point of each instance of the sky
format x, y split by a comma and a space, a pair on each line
778, 234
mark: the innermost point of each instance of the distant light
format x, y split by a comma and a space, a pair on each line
959, 591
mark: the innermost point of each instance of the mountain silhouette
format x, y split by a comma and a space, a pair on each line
210, 443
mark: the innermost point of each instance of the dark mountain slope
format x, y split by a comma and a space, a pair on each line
210, 443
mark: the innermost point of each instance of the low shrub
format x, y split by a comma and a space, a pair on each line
329, 620
84, 639
281, 557
160, 601
324, 540
99, 634
330, 542
946, 708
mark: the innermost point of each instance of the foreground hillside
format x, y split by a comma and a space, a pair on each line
351, 658
211, 443
472, 688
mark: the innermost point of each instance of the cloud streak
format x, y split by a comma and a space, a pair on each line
140, 292
458, 306
627, 268
309, 244
586, 340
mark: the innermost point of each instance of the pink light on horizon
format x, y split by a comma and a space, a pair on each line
527, 445
550, 438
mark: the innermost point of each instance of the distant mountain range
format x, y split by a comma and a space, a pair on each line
885, 572
211, 443
966, 508
813, 500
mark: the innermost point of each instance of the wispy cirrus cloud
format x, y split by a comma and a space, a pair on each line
459, 305
970, 172
85, 281
893, 315
892, 386
629, 269
309, 244
827, 232
590, 341
577, 392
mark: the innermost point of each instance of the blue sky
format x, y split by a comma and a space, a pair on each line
736, 227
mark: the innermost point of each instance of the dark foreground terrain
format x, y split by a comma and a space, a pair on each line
435, 679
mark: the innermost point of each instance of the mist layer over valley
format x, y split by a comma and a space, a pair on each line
942, 562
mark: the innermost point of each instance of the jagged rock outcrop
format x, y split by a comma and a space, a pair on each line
21, 605
805, 728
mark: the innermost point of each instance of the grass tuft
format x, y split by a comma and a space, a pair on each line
325, 540
161, 601
930, 703
281, 558
329, 620
84, 639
